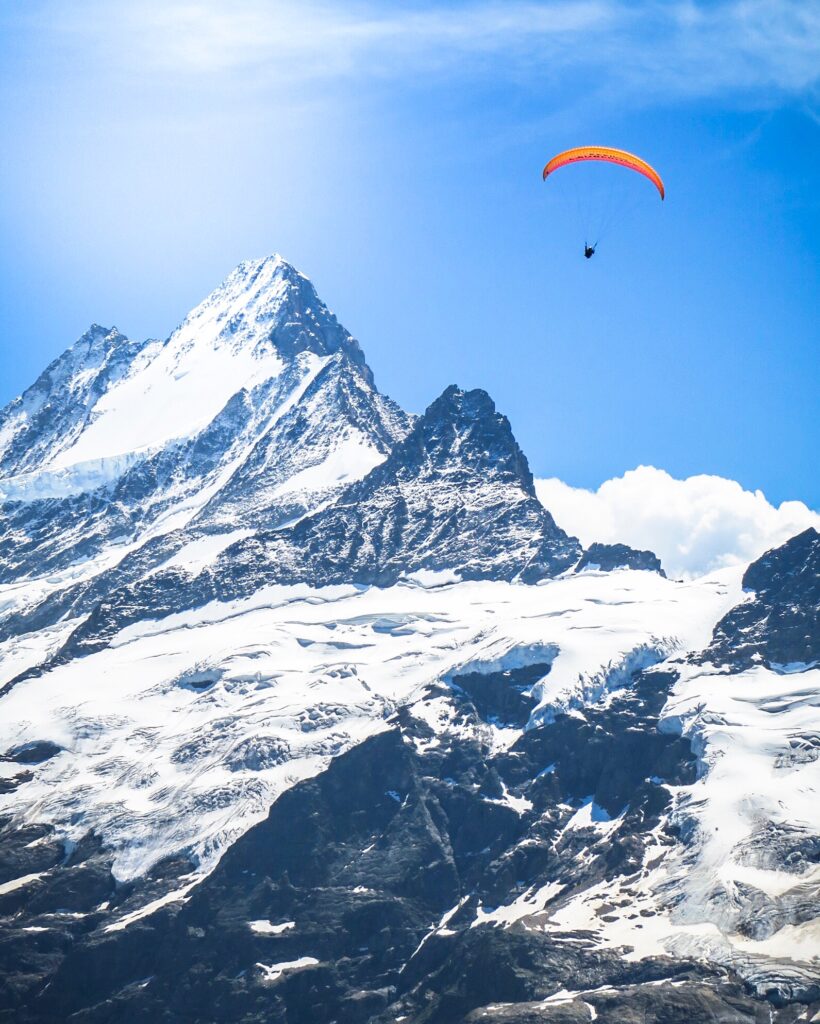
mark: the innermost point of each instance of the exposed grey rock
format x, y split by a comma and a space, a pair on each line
32, 753
618, 556
780, 626
455, 495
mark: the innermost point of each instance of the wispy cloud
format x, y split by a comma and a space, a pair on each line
655, 47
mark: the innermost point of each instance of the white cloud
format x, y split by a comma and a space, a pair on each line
693, 525
654, 47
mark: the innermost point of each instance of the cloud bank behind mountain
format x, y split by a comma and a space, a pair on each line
694, 525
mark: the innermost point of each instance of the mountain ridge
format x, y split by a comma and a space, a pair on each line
311, 711
287, 445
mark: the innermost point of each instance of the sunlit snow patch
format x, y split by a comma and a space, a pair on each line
269, 928
273, 972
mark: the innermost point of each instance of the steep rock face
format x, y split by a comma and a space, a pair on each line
456, 495
339, 428
608, 557
780, 624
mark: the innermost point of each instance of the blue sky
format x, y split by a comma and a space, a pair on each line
393, 152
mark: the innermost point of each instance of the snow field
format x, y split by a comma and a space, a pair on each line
180, 735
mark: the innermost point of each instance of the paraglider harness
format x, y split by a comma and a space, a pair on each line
589, 250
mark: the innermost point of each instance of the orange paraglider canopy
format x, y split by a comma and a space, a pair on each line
612, 156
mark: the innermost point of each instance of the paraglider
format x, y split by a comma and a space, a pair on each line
605, 154
609, 155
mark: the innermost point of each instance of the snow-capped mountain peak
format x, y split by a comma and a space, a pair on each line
118, 401
266, 305
245, 332
52, 414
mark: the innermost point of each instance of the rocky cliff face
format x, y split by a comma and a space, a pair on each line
779, 623
311, 712
608, 557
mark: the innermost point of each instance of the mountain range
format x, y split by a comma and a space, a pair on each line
310, 710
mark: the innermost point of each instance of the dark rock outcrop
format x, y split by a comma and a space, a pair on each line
779, 626
608, 557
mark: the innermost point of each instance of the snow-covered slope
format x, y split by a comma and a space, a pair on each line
608, 835
196, 722
56, 410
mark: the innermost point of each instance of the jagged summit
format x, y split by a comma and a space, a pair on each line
455, 495
266, 304
463, 430
257, 408
48, 418
108, 402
